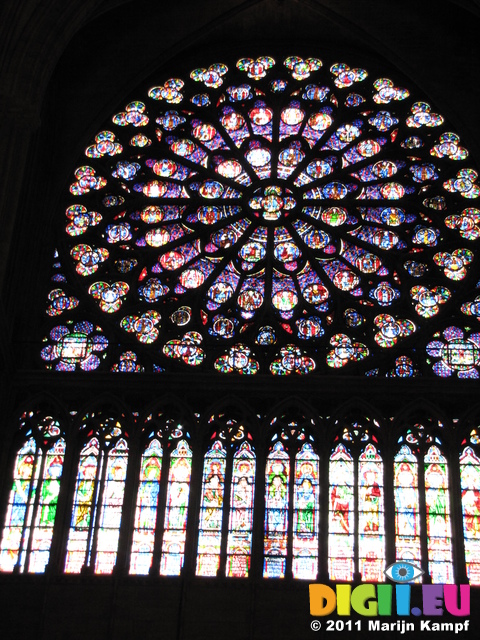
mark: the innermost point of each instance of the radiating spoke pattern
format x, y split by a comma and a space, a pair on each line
270, 216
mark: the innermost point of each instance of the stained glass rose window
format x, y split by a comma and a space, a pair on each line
269, 216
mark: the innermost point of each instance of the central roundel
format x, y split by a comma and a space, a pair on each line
272, 202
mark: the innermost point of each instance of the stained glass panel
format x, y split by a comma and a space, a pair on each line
371, 511
111, 508
211, 511
176, 510
407, 516
146, 509
84, 507
470, 487
32, 504
437, 499
46, 508
22, 495
306, 514
277, 479
240, 524
341, 517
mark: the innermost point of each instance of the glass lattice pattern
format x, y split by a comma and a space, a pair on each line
271, 216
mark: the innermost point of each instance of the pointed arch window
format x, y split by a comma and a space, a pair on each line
422, 502
439, 529
277, 481
32, 504
306, 514
230, 456
211, 510
176, 510
240, 526
356, 540
371, 542
98, 498
470, 488
163, 492
146, 508
291, 505
341, 540
407, 510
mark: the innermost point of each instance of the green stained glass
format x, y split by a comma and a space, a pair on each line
32, 504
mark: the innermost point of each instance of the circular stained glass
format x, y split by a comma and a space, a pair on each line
289, 219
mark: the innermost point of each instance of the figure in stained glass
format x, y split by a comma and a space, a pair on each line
406, 499
50, 490
371, 500
277, 496
85, 489
340, 501
213, 497
306, 506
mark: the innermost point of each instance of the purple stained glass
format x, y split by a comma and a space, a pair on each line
260, 210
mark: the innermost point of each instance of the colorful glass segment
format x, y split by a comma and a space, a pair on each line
437, 499
84, 507
32, 505
341, 515
176, 510
146, 509
240, 524
277, 481
371, 515
407, 515
97, 507
470, 487
211, 511
111, 508
306, 514
311, 190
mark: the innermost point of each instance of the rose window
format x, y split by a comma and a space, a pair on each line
278, 217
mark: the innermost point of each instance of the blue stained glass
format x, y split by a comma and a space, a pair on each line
248, 141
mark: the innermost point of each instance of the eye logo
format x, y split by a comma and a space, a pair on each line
403, 572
